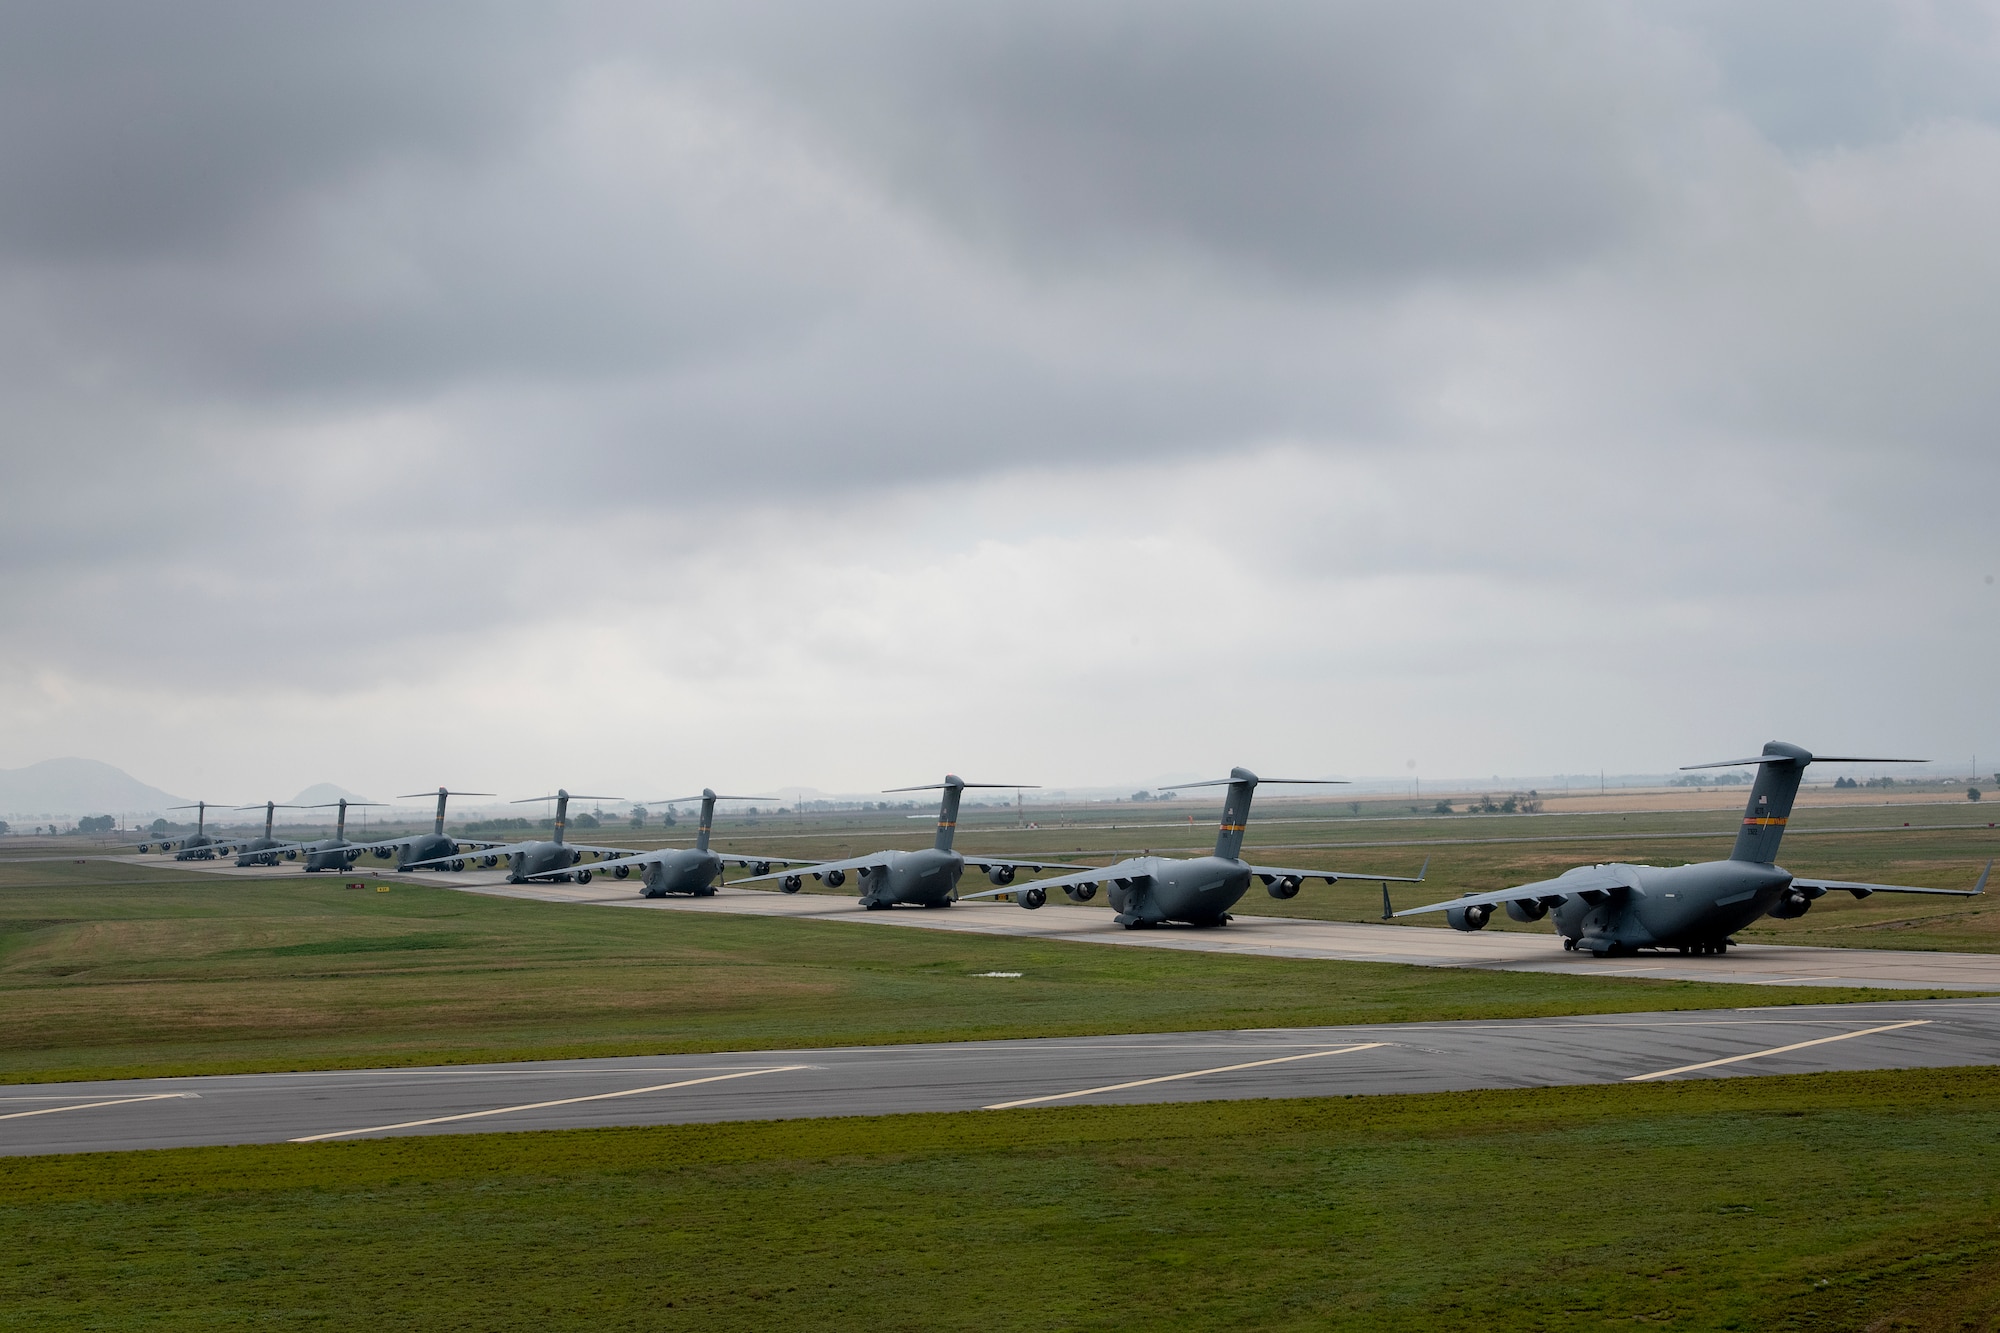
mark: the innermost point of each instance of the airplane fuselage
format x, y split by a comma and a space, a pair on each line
331, 854
1675, 907
1148, 890
196, 847
541, 860
690, 871
926, 878
426, 847
257, 852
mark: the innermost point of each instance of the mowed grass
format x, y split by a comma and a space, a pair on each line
109, 970
1836, 1201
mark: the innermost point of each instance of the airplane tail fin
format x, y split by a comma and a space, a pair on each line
1780, 769
1242, 784
953, 788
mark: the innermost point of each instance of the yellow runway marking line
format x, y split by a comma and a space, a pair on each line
91, 1106
1170, 1078
1777, 1050
560, 1101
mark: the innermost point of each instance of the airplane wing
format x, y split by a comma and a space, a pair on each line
1861, 890
1271, 874
743, 859
870, 861
504, 849
1087, 875
988, 862
1592, 883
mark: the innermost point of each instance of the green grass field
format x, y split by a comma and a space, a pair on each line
113, 970
1848, 1201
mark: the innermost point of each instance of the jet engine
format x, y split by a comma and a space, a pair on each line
1473, 917
761, 868
1001, 875
489, 861
622, 872
576, 858
458, 865
384, 853
1791, 904
792, 883
583, 877
1284, 886
1531, 910
1080, 893
835, 878
1032, 897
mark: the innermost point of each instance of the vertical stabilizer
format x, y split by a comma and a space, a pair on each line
340, 822
270, 817
562, 814
947, 825
1771, 797
437, 826
702, 830
1235, 814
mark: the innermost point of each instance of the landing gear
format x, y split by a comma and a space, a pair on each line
1569, 945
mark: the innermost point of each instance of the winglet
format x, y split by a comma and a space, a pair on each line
1980, 887
1387, 910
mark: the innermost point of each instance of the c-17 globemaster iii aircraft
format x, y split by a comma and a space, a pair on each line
196, 846
1619, 909
691, 870
926, 878
1149, 890
266, 850
536, 859
435, 848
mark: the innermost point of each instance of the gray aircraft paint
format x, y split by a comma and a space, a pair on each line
927, 878
435, 850
197, 846
335, 853
1619, 908
689, 870
1199, 891
551, 859
265, 851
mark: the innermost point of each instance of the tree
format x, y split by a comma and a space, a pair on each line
96, 824
3, 827
1972, 793
159, 826
638, 816
1441, 808
1142, 796
586, 821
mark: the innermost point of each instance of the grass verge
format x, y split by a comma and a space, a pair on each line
1820, 1202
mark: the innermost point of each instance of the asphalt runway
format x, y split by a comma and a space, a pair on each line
997, 1075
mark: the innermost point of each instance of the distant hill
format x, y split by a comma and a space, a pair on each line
58, 788
326, 793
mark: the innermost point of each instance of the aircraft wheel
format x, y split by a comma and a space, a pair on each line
874, 906
704, 893
1569, 945
1721, 947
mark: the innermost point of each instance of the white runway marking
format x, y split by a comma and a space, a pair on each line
1171, 1078
1776, 1050
536, 1106
89, 1106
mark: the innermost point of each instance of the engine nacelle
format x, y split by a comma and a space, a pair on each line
1473, 917
576, 858
835, 878
1284, 886
622, 872
1791, 904
583, 877
1531, 910
1032, 897
458, 865
1080, 893
1000, 874
792, 883
384, 853
291, 856
761, 868
144, 848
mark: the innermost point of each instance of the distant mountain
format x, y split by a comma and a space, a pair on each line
73, 787
326, 793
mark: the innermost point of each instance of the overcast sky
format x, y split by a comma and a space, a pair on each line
637, 397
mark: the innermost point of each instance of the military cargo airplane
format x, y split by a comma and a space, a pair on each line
266, 850
1150, 890
1620, 909
433, 847
335, 853
927, 878
536, 859
196, 846
691, 870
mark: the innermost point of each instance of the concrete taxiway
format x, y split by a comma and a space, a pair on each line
995, 1075
1269, 936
